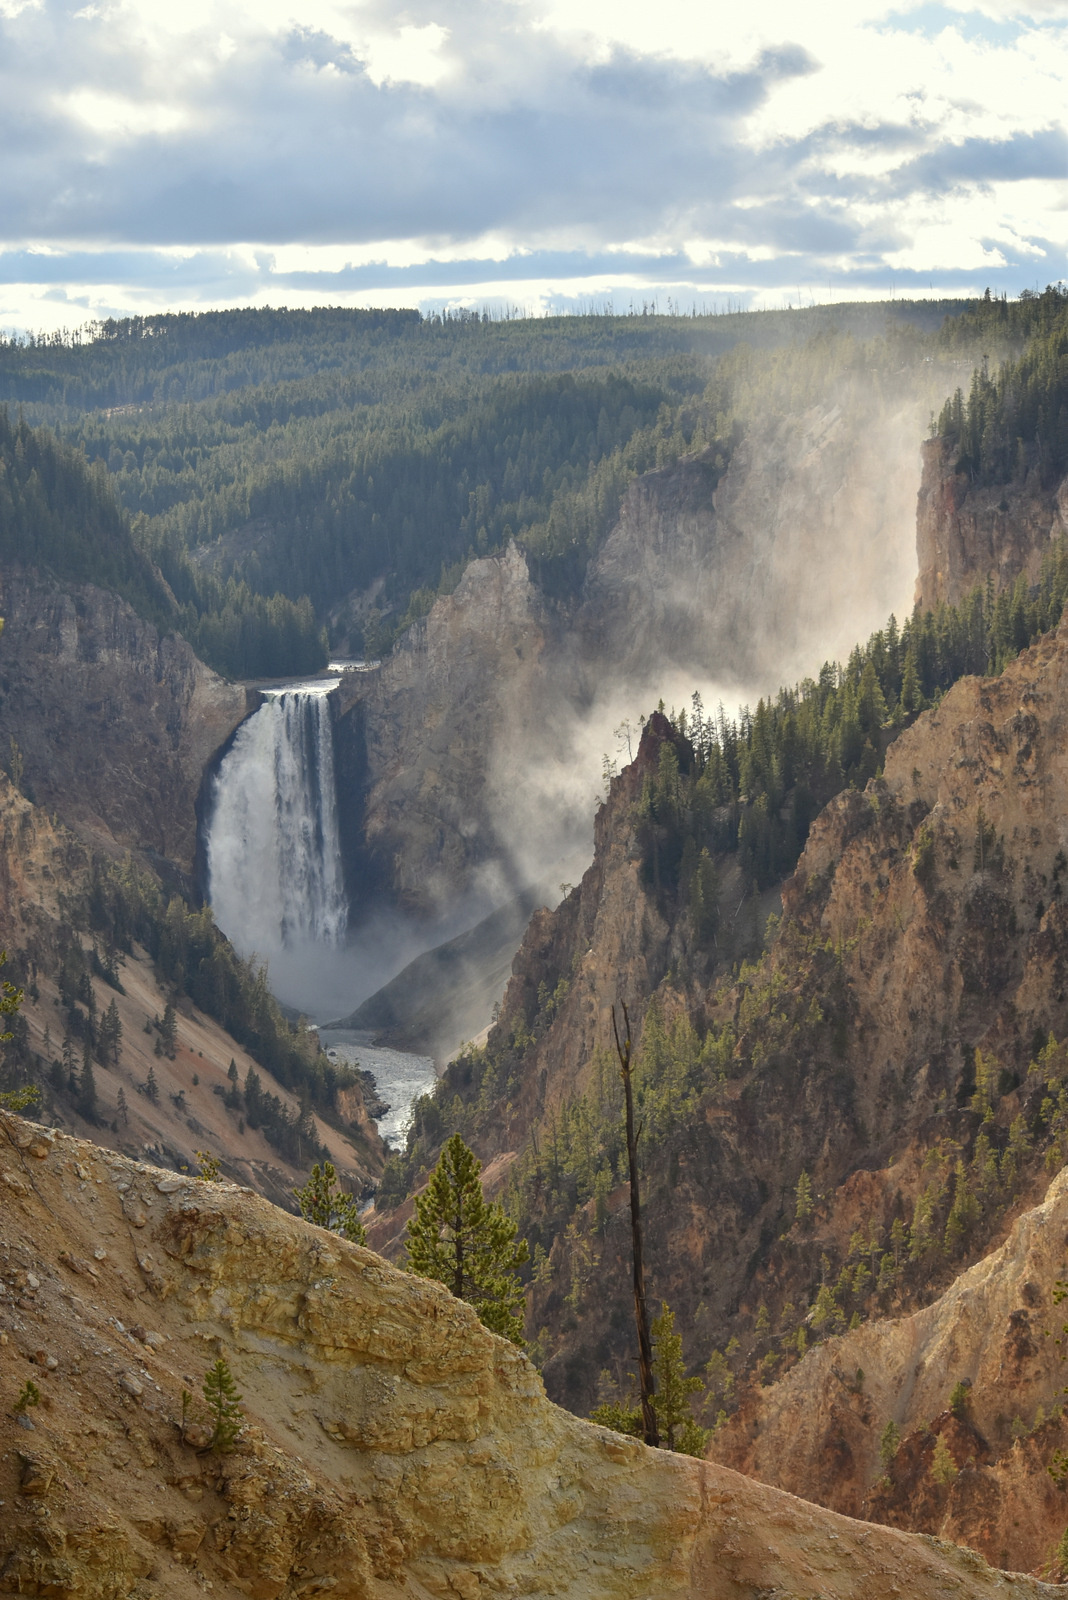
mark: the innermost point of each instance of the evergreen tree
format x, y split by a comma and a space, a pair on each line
111, 1036
224, 1405
168, 1031
152, 1087
122, 1108
10, 996
468, 1243
87, 1084
889, 1444
322, 1200
943, 1466
674, 1388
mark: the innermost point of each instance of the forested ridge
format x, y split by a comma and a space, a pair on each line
118, 905
1015, 421
275, 462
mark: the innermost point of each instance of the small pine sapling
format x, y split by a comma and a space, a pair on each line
210, 1166
943, 1466
889, 1444
224, 1406
29, 1395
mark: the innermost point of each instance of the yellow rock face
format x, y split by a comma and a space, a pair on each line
393, 1447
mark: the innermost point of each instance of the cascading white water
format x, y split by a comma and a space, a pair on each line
273, 846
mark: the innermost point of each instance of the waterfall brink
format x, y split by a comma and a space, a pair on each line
273, 846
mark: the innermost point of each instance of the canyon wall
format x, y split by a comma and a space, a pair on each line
817, 1431
391, 1445
965, 533
925, 921
485, 727
114, 724
46, 881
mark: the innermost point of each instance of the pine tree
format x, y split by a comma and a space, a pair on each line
152, 1087
168, 1031
224, 1406
87, 1084
674, 1388
111, 1036
322, 1200
10, 997
803, 1202
467, 1243
943, 1466
889, 1444
121, 1107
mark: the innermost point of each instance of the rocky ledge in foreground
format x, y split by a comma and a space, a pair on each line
392, 1446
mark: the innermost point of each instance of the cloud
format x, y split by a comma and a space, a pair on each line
162, 148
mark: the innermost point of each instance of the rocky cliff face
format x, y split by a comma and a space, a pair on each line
446, 716
391, 1445
114, 725
818, 1429
966, 534
925, 923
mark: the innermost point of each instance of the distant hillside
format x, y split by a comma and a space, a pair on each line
361, 459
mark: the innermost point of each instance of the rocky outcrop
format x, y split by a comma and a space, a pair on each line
925, 920
447, 717
114, 724
606, 941
391, 1445
966, 534
818, 1429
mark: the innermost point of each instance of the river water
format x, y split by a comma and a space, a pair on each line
399, 1078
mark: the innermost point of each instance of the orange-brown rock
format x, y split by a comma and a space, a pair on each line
818, 1430
966, 534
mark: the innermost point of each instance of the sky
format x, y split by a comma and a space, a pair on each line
537, 154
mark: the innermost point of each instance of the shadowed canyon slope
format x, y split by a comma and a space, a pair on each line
392, 1446
114, 724
49, 883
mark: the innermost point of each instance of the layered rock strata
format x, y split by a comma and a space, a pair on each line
391, 1446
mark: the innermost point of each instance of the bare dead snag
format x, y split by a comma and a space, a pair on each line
645, 1344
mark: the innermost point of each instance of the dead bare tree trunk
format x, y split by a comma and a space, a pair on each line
645, 1344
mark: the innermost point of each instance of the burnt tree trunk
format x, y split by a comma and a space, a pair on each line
650, 1429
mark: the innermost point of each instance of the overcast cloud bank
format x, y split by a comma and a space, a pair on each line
525, 154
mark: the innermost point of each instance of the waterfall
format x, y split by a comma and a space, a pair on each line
273, 847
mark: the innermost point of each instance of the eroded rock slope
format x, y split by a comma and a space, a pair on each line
392, 1446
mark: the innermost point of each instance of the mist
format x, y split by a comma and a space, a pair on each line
804, 548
